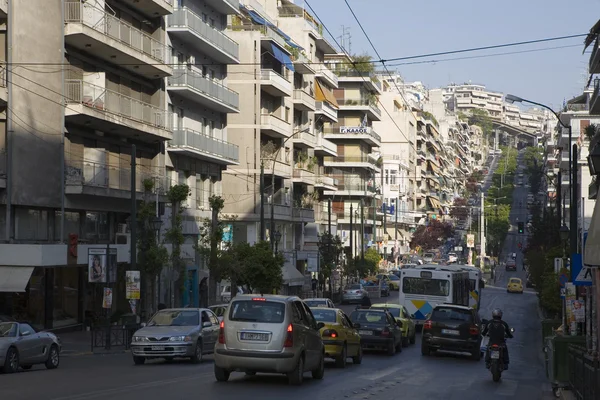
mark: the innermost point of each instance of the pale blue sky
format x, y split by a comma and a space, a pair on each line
404, 28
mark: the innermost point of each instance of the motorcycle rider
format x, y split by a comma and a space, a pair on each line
498, 330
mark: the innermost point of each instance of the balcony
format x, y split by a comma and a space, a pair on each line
3, 8
200, 146
595, 99
353, 132
106, 180
328, 76
275, 84
351, 162
370, 81
115, 41
226, 6
326, 110
207, 92
303, 214
151, 8
358, 189
305, 139
275, 126
107, 111
361, 105
276, 164
191, 29
303, 100
325, 147
302, 64
303, 176
325, 182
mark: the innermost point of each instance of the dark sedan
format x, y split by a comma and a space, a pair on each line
378, 330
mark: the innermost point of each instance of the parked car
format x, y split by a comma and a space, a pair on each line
270, 334
354, 294
401, 314
394, 281
515, 285
340, 337
452, 328
219, 310
511, 265
176, 333
378, 330
22, 347
314, 302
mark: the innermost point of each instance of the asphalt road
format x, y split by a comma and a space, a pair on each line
406, 375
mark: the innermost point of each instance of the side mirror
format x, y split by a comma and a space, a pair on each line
143, 324
320, 325
356, 325
206, 324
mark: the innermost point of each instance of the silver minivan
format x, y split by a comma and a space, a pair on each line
269, 334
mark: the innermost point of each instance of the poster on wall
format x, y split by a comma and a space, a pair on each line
133, 285
107, 298
102, 269
577, 311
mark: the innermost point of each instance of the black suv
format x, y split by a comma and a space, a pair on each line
453, 328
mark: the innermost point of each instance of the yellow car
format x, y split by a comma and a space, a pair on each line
400, 313
339, 336
515, 285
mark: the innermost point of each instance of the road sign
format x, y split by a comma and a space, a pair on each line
563, 278
558, 264
563, 293
582, 275
470, 240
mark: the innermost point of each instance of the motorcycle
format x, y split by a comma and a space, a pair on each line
496, 352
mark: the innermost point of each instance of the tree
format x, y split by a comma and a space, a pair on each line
177, 194
330, 249
460, 209
432, 235
481, 118
372, 259
258, 267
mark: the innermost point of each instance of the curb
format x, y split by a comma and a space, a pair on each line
68, 354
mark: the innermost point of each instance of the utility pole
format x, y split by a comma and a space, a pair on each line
133, 225
396, 247
573, 229
362, 231
329, 216
351, 241
482, 232
262, 201
384, 237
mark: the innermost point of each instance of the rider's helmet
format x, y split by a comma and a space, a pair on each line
497, 313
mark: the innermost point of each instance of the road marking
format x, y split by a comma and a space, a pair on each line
508, 388
105, 392
382, 373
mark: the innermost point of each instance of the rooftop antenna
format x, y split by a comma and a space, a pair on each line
346, 39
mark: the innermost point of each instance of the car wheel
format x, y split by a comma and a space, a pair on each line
139, 360
425, 350
319, 373
340, 361
11, 363
295, 377
357, 359
197, 357
391, 350
53, 358
221, 374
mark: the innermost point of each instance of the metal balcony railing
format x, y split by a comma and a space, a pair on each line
184, 18
360, 103
270, 75
95, 18
346, 159
326, 73
215, 90
102, 99
205, 144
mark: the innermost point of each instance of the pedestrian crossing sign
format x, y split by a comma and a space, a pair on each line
582, 275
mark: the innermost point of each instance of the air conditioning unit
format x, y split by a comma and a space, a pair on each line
122, 238
122, 229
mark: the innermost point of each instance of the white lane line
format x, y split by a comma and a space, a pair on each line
382, 373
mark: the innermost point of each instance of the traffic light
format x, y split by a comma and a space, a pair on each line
521, 227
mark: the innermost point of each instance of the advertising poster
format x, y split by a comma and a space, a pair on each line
102, 269
133, 285
107, 298
577, 311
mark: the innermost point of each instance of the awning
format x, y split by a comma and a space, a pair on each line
322, 93
282, 57
434, 167
257, 18
435, 203
14, 279
591, 252
292, 277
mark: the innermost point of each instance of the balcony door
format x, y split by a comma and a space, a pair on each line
177, 117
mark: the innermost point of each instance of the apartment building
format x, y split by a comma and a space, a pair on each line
76, 125
199, 102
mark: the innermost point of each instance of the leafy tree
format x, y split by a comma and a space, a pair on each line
362, 63
460, 209
432, 235
259, 268
372, 259
177, 194
330, 249
481, 118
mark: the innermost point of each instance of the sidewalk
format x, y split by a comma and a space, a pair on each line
79, 343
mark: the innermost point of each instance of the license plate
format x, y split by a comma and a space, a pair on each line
366, 333
158, 348
259, 337
495, 355
450, 332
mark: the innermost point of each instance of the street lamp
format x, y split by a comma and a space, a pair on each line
276, 238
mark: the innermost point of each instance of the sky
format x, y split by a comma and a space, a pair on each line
400, 28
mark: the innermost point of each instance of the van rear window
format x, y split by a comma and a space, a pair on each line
257, 311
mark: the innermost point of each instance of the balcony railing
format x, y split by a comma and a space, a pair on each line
270, 75
184, 18
305, 136
107, 176
205, 144
364, 159
215, 90
360, 103
326, 145
275, 121
115, 28
328, 74
302, 95
326, 180
102, 99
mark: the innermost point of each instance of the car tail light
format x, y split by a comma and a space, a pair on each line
385, 332
357, 291
427, 325
495, 346
222, 333
332, 333
289, 338
474, 330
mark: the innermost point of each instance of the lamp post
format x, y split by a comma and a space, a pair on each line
573, 181
277, 238
564, 236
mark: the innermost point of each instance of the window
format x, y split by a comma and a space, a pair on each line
393, 177
181, 177
257, 311
297, 317
324, 315
31, 224
312, 322
204, 17
213, 319
25, 329
451, 314
427, 287
175, 318
387, 176
71, 224
199, 191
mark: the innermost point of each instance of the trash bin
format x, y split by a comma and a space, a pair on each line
557, 361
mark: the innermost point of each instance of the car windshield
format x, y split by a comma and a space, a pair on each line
257, 311
394, 311
175, 318
394, 278
368, 317
353, 287
515, 280
316, 303
324, 315
8, 329
451, 314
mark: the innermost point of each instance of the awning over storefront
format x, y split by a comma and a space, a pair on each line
322, 93
591, 253
14, 279
292, 277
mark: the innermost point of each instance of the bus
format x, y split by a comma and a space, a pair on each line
475, 282
426, 286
